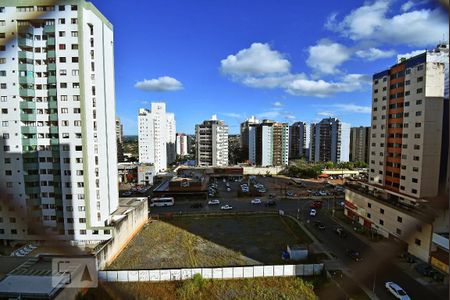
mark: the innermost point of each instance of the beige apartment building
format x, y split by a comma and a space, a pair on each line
408, 164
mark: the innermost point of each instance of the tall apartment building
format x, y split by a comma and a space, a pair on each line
406, 198
359, 144
407, 124
269, 143
58, 169
156, 136
325, 141
244, 130
119, 139
297, 140
182, 144
211, 143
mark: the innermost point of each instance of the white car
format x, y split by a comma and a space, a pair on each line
322, 193
256, 201
313, 212
228, 189
213, 202
226, 207
396, 290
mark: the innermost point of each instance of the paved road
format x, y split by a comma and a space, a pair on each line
336, 245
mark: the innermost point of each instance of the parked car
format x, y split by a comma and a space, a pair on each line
339, 231
313, 212
290, 194
353, 254
226, 207
213, 202
424, 269
127, 193
396, 290
228, 189
270, 203
196, 205
319, 225
322, 193
256, 201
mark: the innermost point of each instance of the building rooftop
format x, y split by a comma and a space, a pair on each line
31, 286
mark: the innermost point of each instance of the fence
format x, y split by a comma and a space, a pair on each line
211, 273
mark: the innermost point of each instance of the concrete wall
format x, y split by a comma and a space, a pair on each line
211, 273
262, 170
123, 232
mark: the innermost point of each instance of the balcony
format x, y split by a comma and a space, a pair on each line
26, 93
51, 67
27, 104
51, 53
51, 41
49, 28
25, 42
51, 79
26, 55
26, 80
27, 117
28, 129
26, 67
53, 117
52, 104
29, 142
54, 129
52, 92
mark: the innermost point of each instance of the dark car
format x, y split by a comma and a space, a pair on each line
319, 225
424, 269
340, 232
353, 254
270, 203
196, 205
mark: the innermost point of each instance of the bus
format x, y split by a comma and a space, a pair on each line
166, 201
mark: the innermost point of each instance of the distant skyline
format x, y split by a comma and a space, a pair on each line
281, 60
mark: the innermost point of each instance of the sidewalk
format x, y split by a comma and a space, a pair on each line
440, 288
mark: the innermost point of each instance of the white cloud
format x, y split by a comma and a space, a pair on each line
325, 114
259, 59
321, 88
271, 114
161, 84
277, 104
371, 22
326, 56
374, 53
407, 6
233, 115
353, 108
410, 54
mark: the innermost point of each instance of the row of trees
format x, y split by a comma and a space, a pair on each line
303, 169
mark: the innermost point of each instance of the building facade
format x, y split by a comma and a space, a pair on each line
359, 144
297, 140
244, 132
404, 199
269, 143
156, 134
325, 141
211, 143
58, 155
119, 139
182, 144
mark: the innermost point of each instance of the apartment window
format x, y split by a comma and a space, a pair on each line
399, 219
419, 91
416, 147
61, 7
419, 67
3, 73
406, 103
74, 46
2, 23
369, 205
73, 7
82, 220
63, 97
407, 82
418, 102
418, 113
63, 72
76, 97
62, 60
417, 242
415, 169
61, 21
408, 71
417, 136
75, 72
74, 33
381, 211
2, 35
3, 86
414, 191
62, 46
76, 85
63, 85
415, 180
368, 215
381, 222
62, 33
407, 93
399, 231
75, 59
77, 110
416, 158
3, 99
73, 21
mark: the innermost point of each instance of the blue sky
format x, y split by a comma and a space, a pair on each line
279, 59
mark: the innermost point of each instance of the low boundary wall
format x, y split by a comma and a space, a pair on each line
211, 273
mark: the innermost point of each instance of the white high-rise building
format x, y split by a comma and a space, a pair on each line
58, 155
156, 132
182, 144
211, 141
345, 142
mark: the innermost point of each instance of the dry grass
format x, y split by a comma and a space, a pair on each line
162, 245
256, 288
